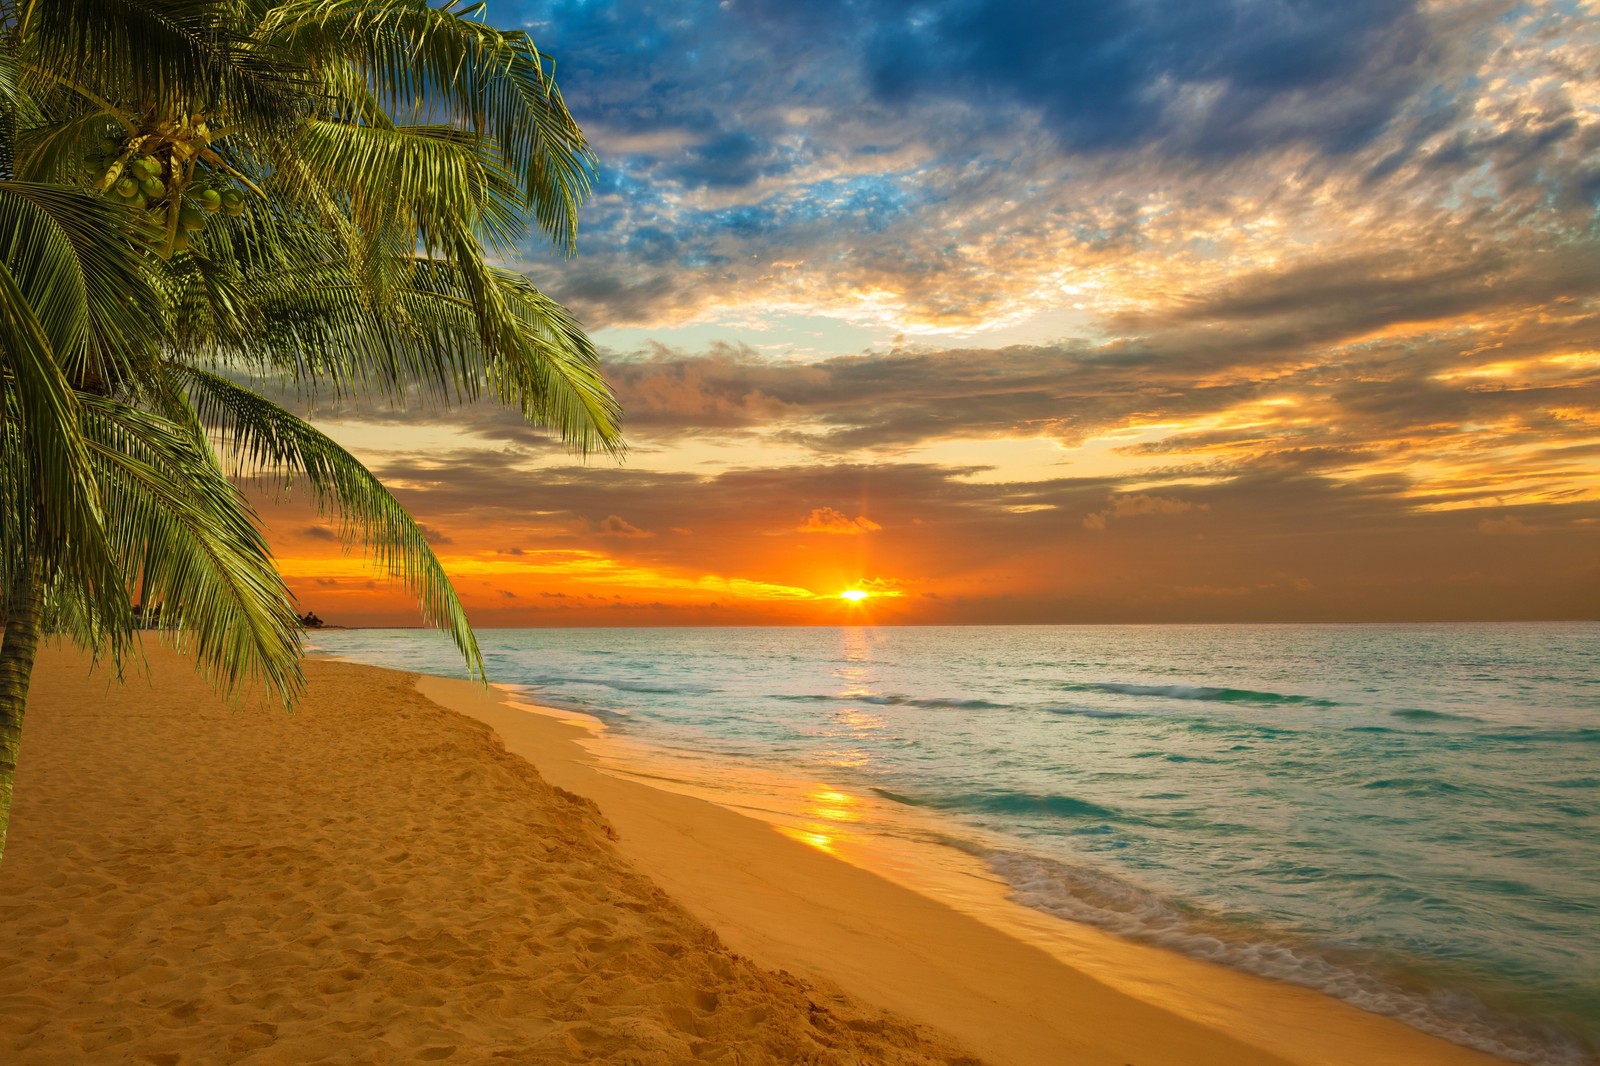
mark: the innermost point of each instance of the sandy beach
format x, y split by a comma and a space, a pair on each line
412, 870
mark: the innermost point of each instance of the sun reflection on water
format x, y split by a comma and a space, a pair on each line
850, 723
850, 758
820, 841
832, 805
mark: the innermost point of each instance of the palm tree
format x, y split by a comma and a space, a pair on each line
199, 198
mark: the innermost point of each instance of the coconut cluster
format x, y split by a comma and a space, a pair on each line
144, 184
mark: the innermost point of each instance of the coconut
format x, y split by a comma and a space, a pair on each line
154, 188
210, 200
145, 167
191, 219
180, 241
127, 188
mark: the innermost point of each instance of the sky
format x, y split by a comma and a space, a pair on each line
1087, 311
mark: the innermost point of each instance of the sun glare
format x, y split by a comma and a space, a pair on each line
853, 595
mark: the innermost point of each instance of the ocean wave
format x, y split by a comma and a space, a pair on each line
1090, 712
1093, 898
931, 702
1533, 734
567, 703
643, 688
1201, 692
1003, 802
1417, 714
1235, 728
1415, 786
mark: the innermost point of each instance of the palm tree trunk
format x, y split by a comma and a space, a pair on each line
24, 615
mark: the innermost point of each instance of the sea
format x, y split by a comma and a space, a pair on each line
1406, 817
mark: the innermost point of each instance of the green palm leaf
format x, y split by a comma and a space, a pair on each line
427, 180
273, 442
438, 65
192, 50
73, 305
190, 544
533, 354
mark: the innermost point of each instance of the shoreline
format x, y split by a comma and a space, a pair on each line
734, 869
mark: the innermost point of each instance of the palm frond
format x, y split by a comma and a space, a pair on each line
190, 544
196, 51
57, 300
53, 518
80, 259
420, 180
552, 374
272, 442
451, 331
56, 152
437, 65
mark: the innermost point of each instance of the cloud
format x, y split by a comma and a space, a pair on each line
1509, 525
319, 533
1140, 505
828, 520
1212, 77
1304, 545
1254, 284
961, 164
434, 536
1213, 591
614, 526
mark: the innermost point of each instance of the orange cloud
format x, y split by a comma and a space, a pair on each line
828, 520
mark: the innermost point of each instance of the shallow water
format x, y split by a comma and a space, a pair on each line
1405, 816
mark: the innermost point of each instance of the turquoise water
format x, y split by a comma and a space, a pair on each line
1405, 816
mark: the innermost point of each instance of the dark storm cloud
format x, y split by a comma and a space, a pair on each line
1103, 73
1215, 78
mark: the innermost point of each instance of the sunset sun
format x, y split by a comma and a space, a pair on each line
854, 595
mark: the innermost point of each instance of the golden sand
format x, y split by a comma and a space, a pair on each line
373, 879
380, 879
